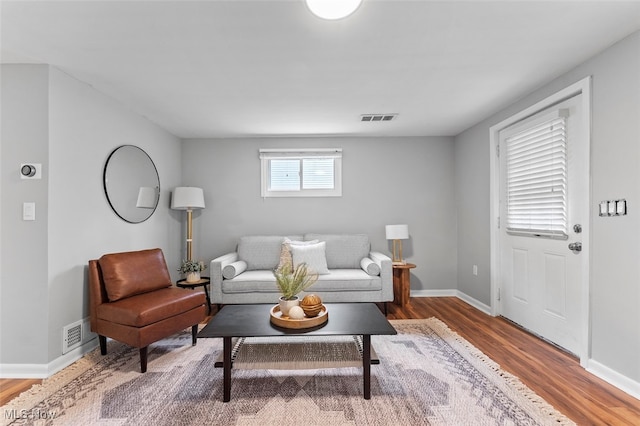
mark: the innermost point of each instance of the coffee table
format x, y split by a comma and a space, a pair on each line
345, 319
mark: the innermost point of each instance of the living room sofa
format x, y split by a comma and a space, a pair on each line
353, 272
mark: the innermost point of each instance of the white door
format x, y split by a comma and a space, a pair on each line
542, 213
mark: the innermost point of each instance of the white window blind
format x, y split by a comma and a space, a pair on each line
301, 173
537, 178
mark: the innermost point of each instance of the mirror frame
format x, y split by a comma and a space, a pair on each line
114, 194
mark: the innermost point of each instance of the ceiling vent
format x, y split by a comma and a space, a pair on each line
378, 117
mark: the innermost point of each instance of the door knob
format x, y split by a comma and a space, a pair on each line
575, 247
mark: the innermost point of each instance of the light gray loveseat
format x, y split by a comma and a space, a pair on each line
355, 273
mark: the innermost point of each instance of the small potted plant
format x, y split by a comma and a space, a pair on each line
291, 281
192, 269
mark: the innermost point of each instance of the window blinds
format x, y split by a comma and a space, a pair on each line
537, 178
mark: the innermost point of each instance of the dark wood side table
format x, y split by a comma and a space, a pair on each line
402, 283
203, 282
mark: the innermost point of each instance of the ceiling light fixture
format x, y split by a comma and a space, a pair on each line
333, 9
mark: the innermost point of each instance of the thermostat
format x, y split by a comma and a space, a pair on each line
30, 171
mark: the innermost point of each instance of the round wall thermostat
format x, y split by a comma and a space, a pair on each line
28, 170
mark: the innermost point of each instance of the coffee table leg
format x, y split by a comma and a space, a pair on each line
366, 365
226, 367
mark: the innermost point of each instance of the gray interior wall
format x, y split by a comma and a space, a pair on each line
385, 181
23, 284
472, 207
71, 128
615, 242
85, 127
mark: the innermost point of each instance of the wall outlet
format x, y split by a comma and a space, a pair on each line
475, 270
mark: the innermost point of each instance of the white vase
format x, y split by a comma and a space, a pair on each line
193, 277
285, 304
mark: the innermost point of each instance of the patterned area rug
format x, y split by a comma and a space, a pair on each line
427, 375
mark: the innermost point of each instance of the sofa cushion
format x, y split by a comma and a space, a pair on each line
233, 269
337, 280
370, 267
261, 251
343, 251
144, 309
129, 273
312, 255
346, 280
252, 282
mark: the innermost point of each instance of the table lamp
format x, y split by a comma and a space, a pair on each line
188, 198
397, 233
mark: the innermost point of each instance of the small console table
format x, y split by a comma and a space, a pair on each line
203, 282
402, 283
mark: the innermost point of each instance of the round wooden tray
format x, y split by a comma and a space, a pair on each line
284, 321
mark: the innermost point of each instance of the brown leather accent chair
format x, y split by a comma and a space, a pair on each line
132, 300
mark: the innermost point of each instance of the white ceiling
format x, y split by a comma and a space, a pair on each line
253, 68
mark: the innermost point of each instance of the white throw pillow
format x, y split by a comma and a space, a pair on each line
311, 254
370, 267
233, 269
300, 243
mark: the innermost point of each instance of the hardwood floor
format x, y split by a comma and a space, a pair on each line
551, 373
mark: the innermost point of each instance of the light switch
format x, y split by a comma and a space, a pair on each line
621, 207
604, 207
28, 211
612, 207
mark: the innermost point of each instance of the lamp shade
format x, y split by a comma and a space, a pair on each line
397, 232
147, 198
187, 198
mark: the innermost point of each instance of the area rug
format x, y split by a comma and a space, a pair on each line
427, 375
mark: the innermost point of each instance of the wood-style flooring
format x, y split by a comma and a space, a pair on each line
551, 373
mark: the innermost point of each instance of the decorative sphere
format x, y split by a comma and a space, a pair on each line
311, 300
296, 312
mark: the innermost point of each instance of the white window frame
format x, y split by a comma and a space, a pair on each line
266, 155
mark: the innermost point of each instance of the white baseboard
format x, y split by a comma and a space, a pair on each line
42, 371
613, 377
453, 293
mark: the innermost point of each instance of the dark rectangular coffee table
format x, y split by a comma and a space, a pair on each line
345, 319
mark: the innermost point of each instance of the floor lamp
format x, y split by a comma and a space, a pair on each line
188, 198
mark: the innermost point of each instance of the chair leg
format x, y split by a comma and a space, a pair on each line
194, 334
103, 344
143, 359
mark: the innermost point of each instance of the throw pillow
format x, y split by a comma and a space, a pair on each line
311, 254
370, 267
285, 255
285, 251
234, 269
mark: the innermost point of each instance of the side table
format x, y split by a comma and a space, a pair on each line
203, 282
402, 283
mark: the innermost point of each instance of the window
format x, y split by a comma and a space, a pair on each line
537, 177
301, 173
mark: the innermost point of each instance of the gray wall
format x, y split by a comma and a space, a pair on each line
23, 282
615, 242
71, 129
385, 181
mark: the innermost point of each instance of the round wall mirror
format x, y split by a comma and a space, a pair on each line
131, 183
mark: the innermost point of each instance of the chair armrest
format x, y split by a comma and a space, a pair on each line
216, 278
386, 273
